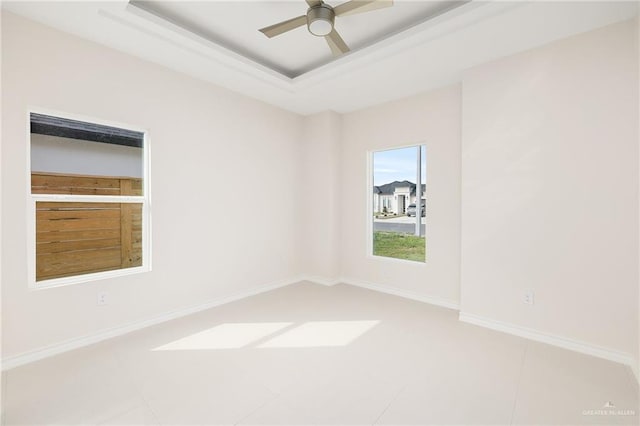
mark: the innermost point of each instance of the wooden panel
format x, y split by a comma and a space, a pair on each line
66, 246
136, 186
130, 186
74, 185
72, 224
79, 238
136, 234
57, 205
76, 273
75, 191
125, 236
55, 183
81, 261
77, 214
91, 234
75, 181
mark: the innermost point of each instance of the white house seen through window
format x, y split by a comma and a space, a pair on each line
399, 203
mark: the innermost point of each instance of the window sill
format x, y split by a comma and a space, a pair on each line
396, 260
85, 278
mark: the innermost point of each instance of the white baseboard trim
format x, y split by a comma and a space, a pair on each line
432, 300
316, 279
75, 343
551, 339
563, 342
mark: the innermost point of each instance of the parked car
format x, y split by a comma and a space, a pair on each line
411, 210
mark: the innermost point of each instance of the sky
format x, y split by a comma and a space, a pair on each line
397, 164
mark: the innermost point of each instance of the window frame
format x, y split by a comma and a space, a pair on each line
369, 210
32, 199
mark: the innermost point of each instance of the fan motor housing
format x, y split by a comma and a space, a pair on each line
320, 20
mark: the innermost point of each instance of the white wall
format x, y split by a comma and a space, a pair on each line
550, 189
433, 119
73, 156
319, 210
206, 143
550, 198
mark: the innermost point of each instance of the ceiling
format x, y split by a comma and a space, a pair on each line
234, 25
396, 52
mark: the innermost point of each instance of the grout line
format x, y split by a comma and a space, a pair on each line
153, 413
515, 399
256, 343
115, 416
375, 422
156, 419
137, 388
631, 377
260, 407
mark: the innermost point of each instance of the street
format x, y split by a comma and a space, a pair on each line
403, 224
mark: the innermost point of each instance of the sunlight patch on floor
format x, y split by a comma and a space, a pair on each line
225, 336
239, 335
320, 333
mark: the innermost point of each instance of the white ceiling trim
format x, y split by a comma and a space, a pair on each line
154, 25
433, 27
428, 31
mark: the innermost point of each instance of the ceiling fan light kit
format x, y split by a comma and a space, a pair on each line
320, 19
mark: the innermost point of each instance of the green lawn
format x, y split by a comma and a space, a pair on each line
399, 246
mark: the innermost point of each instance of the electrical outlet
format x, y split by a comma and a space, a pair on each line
102, 299
528, 297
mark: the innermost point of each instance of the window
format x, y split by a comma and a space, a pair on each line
399, 203
89, 201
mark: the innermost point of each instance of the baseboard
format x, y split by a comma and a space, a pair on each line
551, 339
75, 343
316, 279
432, 300
563, 342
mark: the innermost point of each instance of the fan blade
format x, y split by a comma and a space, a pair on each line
336, 43
360, 6
313, 3
283, 27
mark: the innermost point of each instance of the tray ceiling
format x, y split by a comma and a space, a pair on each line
234, 25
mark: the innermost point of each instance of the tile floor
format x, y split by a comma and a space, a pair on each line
309, 354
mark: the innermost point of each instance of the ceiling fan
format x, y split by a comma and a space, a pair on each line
320, 20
